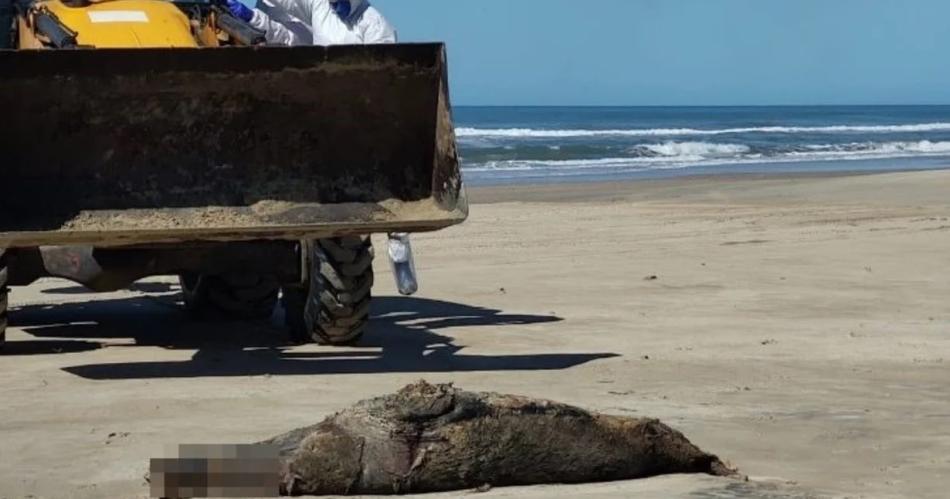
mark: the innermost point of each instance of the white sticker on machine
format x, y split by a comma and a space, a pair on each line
118, 16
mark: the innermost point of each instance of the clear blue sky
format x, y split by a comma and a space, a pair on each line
683, 52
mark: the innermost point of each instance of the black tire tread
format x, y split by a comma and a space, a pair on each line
242, 296
334, 310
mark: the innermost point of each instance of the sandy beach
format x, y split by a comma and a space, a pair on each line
797, 326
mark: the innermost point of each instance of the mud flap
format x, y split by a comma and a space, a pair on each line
141, 146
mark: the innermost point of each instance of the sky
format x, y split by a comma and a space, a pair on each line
686, 52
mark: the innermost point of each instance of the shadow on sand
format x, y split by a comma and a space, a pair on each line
402, 338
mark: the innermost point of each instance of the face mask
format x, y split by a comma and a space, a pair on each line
342, 8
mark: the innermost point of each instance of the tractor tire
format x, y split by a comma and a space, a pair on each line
4, 299
233, 295
334, 308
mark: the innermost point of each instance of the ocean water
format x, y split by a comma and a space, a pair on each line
557, 144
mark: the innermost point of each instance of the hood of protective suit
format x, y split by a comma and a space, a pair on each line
357, 7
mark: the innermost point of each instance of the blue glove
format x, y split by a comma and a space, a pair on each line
240, 11
343, 8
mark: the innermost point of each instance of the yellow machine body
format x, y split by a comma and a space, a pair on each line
120, 24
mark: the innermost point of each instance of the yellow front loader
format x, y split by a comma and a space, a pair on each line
149, 137
112, 24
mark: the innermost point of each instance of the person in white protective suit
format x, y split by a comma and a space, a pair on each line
281, 27
332, 22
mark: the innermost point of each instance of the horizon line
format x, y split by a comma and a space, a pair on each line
696, 105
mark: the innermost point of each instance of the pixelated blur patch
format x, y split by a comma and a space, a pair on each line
216, 471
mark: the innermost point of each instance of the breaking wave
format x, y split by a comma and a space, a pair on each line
686, 154
702, 149
468, 132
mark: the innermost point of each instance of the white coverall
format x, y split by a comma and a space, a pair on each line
281, 27
365, 25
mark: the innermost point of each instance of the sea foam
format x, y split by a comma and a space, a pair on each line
686, 154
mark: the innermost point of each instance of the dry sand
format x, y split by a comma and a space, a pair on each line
799, 327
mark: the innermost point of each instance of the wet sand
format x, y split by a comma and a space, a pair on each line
797, 326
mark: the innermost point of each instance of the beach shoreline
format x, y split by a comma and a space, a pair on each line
633, 189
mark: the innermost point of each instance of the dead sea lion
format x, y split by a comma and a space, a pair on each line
430, 438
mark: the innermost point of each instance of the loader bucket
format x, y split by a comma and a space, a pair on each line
139, 146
